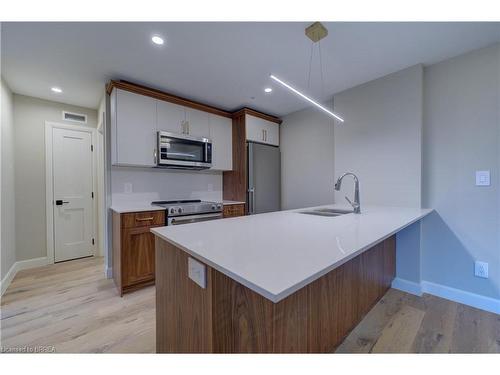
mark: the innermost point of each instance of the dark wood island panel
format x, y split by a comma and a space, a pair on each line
227, 317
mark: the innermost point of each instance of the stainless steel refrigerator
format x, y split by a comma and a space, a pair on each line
264, 178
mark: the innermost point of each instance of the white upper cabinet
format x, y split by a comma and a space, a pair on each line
136, 119
133, 129
197, 123
171, 117
272, 133
262, 131
222, 142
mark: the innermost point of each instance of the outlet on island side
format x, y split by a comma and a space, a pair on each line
481, 269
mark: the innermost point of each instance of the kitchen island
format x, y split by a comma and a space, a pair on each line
276, 282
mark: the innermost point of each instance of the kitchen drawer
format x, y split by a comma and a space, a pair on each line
143, 219
234, 210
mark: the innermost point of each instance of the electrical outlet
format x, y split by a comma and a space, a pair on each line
128, 188
481, 269
482, 178
197, 272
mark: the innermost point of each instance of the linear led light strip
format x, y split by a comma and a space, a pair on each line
306, 98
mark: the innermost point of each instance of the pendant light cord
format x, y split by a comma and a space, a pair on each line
321, 70
310, 67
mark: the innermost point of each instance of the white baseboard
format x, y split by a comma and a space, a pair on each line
7, 279
457, 295
407, 286
461, 296
18, 266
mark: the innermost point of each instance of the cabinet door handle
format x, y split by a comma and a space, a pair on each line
144, 218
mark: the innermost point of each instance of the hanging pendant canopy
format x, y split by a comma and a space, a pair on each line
316, 32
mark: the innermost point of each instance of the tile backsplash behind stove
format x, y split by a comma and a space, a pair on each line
147, 185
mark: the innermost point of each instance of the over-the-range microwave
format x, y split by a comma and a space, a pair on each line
183, 151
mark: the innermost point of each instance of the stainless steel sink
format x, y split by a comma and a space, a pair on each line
329, 212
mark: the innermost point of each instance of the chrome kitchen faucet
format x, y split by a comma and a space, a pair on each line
356, 205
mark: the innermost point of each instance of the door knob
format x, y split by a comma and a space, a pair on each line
60, 202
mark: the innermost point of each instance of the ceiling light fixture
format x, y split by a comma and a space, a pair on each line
157, 40
306, 98
57, 90
268, 89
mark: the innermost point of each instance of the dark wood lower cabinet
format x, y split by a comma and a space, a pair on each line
138, 258
227, 317
233, 210
134, 249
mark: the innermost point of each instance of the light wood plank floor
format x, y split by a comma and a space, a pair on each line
72, 307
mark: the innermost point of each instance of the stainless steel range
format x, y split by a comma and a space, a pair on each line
190, 211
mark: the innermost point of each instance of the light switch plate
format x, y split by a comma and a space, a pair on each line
482, 178
128, 188
197, 272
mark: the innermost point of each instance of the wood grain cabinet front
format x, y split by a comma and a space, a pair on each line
233, 210
134, 249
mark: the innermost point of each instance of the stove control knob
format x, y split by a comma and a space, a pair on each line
214, 207
179, 210
172, 210
219, 206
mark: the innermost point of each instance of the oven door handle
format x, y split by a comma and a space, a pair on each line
194, 218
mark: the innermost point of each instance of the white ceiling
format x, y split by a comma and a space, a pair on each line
222, 64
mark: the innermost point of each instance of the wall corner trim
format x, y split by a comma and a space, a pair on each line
19, 266
407, 286
109, 273
457, 295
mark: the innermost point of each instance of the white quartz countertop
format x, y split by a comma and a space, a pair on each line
127, 207
228, 203
278, 253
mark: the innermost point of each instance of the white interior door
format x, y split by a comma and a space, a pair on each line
72, 194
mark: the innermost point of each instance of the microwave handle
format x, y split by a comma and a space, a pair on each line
155, 156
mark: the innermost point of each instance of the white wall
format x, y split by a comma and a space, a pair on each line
8, 233
380, 140
417, 137
150, 184
307, 154
462, 135
30, 115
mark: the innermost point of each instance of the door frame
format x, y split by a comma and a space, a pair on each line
49, 183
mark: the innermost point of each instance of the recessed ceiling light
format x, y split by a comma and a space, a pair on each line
57, 90
157, 40
268, 89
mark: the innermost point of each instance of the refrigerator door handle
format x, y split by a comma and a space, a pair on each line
251, 201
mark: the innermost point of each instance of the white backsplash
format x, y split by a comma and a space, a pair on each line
148, 184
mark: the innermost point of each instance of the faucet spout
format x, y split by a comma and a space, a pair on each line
356, 205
